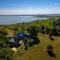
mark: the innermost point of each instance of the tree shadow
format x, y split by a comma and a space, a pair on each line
50, 51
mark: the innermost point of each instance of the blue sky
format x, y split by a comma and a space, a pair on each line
13, 7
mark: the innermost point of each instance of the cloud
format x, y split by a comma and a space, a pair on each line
24, 11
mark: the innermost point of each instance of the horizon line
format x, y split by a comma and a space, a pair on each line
26, 14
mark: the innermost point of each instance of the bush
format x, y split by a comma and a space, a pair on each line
3, 40
5, 54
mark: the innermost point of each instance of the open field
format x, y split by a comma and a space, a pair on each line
39, 52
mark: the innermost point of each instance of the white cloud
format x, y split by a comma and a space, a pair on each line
49, 10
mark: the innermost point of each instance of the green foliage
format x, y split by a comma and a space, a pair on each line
3, 39
5, 54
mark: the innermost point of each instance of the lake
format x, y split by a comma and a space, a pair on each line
18, 19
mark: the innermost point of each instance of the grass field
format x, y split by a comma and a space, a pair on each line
38, 52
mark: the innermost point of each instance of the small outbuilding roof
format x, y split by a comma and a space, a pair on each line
12, 40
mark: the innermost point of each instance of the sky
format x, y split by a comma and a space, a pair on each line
23, 7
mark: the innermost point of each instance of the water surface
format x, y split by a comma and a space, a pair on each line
18, 19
